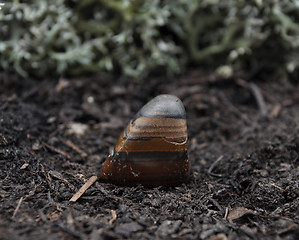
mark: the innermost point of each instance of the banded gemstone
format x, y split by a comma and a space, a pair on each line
152, 150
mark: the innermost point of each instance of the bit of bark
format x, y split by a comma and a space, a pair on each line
239, 212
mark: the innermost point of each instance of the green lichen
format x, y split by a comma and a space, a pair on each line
136, 38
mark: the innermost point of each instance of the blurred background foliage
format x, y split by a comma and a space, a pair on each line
135, 38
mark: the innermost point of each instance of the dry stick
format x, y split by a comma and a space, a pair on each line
241, 82
76, 148
226, 213
212, 167
83, 188
4, 140
18, 207
114, 216
54, 149
279, 217
234, 109
259, 99
276, 110
216, 204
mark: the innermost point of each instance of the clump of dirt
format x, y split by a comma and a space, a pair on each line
243, 148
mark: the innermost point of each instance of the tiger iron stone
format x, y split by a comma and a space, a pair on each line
152, 150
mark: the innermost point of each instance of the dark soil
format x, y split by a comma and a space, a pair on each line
243, 148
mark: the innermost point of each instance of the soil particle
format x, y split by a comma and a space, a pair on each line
127, 228
243, 148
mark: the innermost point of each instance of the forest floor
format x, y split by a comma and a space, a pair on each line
243, 149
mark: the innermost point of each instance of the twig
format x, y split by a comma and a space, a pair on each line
83, 189
3, 139
76, 148
289, 228
47, 176
114, 216
259, 99
226, 213
18, 207
276, 110
242, 83
216, 204
54, 149
212, 167
279, 217
233, 108
292, 226
59, 176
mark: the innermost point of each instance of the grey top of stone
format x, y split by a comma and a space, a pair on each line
163, 106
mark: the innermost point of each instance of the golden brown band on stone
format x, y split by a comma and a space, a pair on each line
157, 127
153, 144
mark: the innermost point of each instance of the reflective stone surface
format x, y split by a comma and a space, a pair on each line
152, 150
